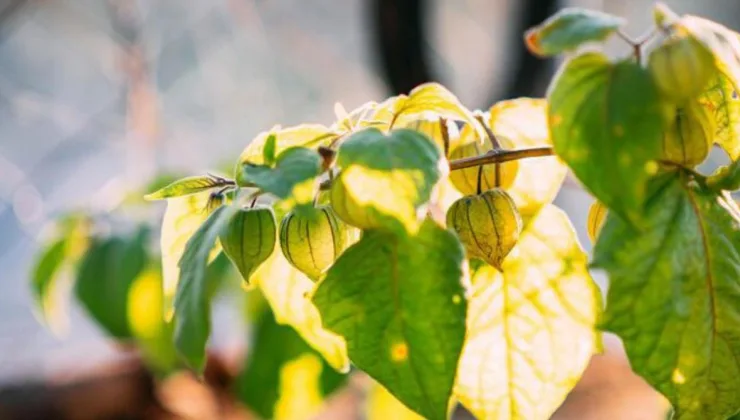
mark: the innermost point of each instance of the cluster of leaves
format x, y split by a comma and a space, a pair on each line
497, 310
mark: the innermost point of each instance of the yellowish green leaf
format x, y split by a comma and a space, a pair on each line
432, 128
303, 135
431, 101
288, 292
183, 217
370, 114
153, 335
187, 186
524, 122
721, 99
382, 405
531, 330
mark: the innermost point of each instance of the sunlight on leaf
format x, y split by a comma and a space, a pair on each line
721, 99
385, 180
370, 114
674, 295
299, 389
382, 405
400, 303
186, 186
721, 41
432, 128
183, 217
524, 122
304, 135
283, 378
570, 28
431, 101
531, 330
287, 290
145, 303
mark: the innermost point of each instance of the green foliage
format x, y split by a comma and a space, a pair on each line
283, 375
293, 168
106, 275
553, 311
48, 267
187, 186
408, 301
400, 303
192, 302
607, 121
725, 178
675, 297
569, 29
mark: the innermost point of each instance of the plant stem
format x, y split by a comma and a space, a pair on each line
491, 136
500, 156
445, 135
637, 44
494, 156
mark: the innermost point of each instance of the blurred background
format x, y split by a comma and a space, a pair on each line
97, 95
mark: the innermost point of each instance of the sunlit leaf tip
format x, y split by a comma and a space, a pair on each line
187, 186
570, 28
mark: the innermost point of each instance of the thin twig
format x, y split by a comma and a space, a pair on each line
445, 135
494, 156
491, 136
500, 156
637, 44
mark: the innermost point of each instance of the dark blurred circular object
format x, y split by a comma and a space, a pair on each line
400, 33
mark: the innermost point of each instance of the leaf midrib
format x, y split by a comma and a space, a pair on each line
709, 278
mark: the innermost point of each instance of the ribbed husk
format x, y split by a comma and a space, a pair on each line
311, 242
249, 239
487, 224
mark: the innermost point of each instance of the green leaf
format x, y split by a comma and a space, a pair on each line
531, 330
193, 301
294, 174
54, 268
725, 178
187, 186
388, 177
674, 295
721, 99
524, 122
269, 153
569, 29
183, 217
105, 276
283, 377
399, 301
606, 121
